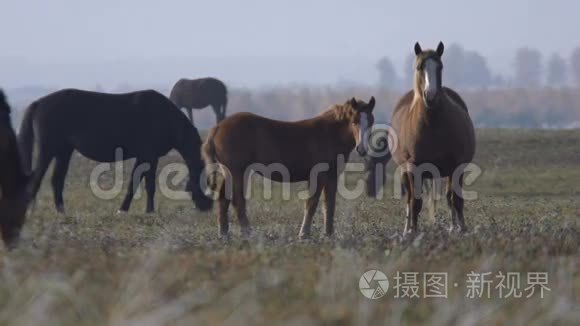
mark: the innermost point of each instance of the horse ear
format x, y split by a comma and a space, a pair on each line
371, 104
440, 49
418, 49
353, 103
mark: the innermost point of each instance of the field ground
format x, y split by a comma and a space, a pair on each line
93, 266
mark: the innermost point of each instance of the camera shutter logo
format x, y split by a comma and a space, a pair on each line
373, 284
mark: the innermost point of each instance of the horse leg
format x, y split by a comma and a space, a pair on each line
414, 202
218, 112
329, 204
449, 196
224, 205
239, 201
135, 179
42, 163
189, 114
224, 108
150, 186
458, 202
405, 186
309, 210
417, 202
58, 178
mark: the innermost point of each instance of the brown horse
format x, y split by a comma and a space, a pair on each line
199, 93
286, 152
435, 136
13, 180
375, 164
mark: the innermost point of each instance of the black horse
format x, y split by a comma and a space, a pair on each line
145, 125
13, 180
199, 93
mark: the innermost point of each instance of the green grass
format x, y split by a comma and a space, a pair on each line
93, 266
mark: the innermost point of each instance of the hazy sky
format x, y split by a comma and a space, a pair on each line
77, 43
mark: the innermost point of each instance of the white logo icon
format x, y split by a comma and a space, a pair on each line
381, 284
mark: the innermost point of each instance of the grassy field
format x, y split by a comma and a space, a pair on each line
93, 266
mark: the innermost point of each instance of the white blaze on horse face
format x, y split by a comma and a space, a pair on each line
363, 127
430, 71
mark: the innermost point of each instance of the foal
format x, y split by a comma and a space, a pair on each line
306, 150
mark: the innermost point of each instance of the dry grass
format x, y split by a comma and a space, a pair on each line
95, 267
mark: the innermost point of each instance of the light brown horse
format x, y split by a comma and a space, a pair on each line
307, 150
435, 138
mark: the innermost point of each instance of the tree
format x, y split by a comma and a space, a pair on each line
453, 59
476, 73
556, 71
465, 68
528, 67
575, 64
387, 74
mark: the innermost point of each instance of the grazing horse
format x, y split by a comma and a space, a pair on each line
286, 152
13, 180
435, 136
199, 93
108, 128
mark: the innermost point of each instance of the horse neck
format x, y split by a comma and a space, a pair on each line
12, 178
418, 111
340, 127
187, 148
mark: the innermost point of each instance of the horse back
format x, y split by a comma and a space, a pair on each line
297, 146
198, 92
97, 123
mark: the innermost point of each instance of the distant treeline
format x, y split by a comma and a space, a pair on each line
511, 108
469, 69
514, 108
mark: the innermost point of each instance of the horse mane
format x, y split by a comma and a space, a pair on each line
417, 106
340, 112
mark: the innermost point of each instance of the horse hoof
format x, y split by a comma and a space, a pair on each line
457, 229
304, 236
60, 209
329, 236
409, 233
246, 232
121, 212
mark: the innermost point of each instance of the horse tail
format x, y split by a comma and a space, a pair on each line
26, 137
431, 189
209, 156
